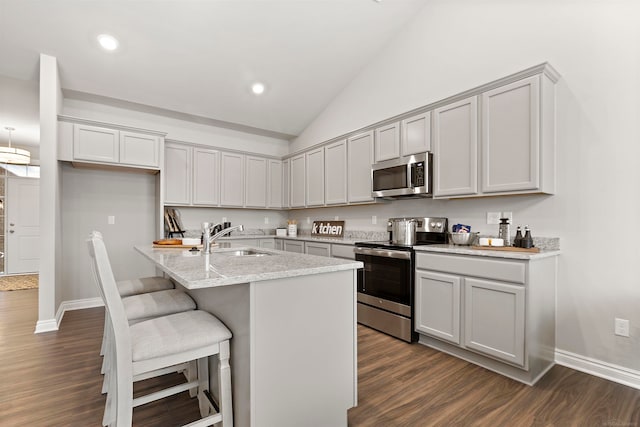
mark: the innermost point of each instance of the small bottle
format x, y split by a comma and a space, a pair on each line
527, 240
504, 231
517, 242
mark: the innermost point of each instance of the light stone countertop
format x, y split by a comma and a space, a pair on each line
467, 250
195, 270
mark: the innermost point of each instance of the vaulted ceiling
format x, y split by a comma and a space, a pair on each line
201, 57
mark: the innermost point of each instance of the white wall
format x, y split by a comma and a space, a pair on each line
456, 45
177, 129
19, 108
88, 198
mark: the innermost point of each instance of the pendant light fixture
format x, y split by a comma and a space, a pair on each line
14, 156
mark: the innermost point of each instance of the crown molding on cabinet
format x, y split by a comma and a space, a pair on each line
97, 123
226, 150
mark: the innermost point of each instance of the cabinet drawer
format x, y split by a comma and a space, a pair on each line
497, 269
342, 251
320, 249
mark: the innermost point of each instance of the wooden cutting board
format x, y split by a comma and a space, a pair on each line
177, 246
507, 249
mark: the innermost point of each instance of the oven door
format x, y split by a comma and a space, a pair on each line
386, 274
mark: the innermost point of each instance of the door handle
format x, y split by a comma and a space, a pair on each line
12, 224
11, 231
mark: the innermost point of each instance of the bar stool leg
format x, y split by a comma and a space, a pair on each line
224, 384
203, 386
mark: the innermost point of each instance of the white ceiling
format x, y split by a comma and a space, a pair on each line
200, 57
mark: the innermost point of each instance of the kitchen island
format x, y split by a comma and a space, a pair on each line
293, 319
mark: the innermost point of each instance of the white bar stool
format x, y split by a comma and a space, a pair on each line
144, 349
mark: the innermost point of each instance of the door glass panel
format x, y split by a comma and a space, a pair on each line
387, 278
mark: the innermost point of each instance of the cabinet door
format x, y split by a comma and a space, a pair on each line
274, 195
278, 244
293, 246
177, 174
437, 308
511, 137
232, 179
286, 188
387, 142
206, 177
335, 173
360, 158
416, 134
455, 149
139, 150
96, 144
256, 182
320, 249
315, 177
297, 181
494, 319
268, 243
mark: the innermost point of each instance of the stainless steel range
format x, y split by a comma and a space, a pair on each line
385, 285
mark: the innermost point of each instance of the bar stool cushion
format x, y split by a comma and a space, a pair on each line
175, 333
143, 285
155, 304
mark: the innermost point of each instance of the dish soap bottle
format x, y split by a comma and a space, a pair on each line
517, 242
527, 240
504, 231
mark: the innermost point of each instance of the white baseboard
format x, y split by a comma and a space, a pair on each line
46, 326
598, 368
78, 304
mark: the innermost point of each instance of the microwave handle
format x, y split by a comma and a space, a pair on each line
410, 175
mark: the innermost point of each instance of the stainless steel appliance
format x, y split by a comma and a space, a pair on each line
409, 176
385, 284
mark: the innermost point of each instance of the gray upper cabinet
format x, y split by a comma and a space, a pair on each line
455, 148
335, 173
96, 144
274, 196
315, 177
495, 319
256, 183
206, 177
513, 137
232, 179
286, 187
137, 149
177, 174
416, 134
437, 310
297, 181
387, 142
360, 159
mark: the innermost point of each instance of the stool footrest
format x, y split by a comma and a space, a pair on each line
164, 393
204, 422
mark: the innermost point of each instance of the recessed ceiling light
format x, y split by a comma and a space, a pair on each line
257, 88
108, 42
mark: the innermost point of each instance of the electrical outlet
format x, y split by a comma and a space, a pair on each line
493, 217
266, 220
507, 214
621, 327
111, 220
224, 219
374, 219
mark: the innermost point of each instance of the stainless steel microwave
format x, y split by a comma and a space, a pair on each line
408, 176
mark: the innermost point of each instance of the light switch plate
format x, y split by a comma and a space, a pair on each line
621, 327
111, 219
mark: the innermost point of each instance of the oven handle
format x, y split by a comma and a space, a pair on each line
385, 253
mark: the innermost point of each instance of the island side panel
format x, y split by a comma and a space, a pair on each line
303, 350
230, 304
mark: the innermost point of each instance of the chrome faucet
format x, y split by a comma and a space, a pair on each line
208, 238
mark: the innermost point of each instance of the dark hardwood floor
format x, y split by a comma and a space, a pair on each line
53, 379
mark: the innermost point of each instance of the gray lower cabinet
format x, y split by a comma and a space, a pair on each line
494, 319
496, 312
342, 251
320, 249
437, 298
293, 246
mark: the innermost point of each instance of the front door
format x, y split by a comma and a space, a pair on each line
23, 225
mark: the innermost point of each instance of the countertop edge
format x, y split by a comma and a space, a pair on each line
461, 250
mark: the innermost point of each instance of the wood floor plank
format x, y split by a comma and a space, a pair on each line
53, 379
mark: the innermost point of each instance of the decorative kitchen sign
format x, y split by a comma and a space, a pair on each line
327, 228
